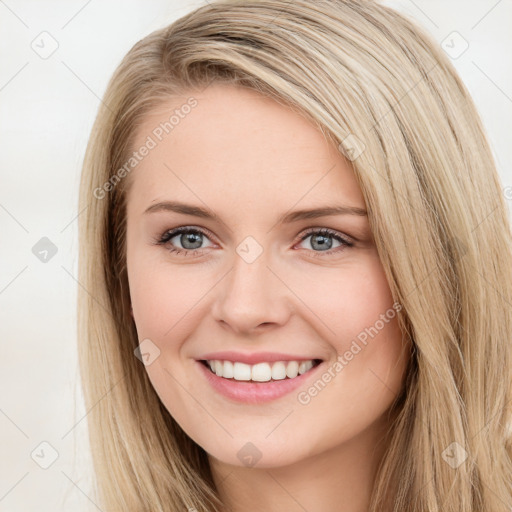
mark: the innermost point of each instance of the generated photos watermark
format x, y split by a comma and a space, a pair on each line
304, 397
151, 142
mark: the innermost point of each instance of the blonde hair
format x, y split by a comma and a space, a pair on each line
362, 73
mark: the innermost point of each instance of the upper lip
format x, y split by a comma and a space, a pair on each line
253, 358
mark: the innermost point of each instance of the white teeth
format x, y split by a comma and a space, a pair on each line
279, 371
303, 367
241, 371
260, 372
228, 370
292, 369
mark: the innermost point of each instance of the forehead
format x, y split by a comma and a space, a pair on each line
237, 147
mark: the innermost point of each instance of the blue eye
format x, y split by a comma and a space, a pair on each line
191, 240
320, 240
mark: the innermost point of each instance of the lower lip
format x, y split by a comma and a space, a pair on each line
254, 392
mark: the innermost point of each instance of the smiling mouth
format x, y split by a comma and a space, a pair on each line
260, 372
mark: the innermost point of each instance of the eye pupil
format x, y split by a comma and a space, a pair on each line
322, 244
189, 237
321, 241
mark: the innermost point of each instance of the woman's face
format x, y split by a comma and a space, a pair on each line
256, 279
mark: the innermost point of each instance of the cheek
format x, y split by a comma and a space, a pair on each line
349, 301
355, 314
368, 340
164, 300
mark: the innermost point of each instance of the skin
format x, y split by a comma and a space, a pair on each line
250, 160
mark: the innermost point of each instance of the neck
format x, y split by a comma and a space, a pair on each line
337, 479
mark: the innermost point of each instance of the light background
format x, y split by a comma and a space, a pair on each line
47, 108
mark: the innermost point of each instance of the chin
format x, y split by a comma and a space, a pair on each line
262, 455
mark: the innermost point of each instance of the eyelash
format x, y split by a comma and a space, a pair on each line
168, 235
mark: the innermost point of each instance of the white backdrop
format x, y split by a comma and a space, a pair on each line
55, 60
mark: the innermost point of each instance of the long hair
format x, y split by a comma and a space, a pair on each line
381, 90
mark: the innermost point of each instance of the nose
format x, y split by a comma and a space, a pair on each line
252, 297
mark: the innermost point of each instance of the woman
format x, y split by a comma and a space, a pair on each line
296, 269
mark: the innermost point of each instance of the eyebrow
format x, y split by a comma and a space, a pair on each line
286, 218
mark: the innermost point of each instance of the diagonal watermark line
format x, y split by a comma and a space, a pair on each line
74, 483
87, 291
271, 22
14, 485
13, 423
424, 13
282, 421
394, 189
485, 218
420, 283
199, 403
490, 420
424, 487
496, 495
13, 217
85, 415
106, 309
13, 13
305, 193
15, 75
87, 86
433, 434
428, 275
13, 279
207, 206
74, 218
188, 311
76, 14
286, 491
301, 300
404, 95
485, 14
391, 390
212, 80
492, 81
225, 477
495, 289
